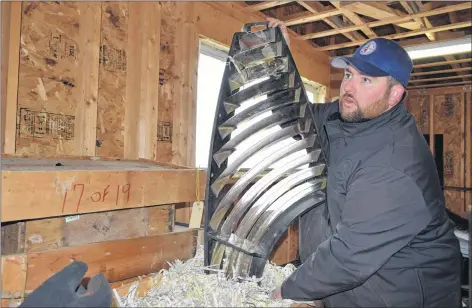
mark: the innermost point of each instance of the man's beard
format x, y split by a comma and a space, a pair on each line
359, 115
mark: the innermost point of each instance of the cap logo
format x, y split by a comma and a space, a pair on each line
369, 48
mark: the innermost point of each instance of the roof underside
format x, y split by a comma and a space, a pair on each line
340, 27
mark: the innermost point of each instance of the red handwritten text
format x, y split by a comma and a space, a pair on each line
122, 193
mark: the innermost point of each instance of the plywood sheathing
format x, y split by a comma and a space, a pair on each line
449, 120
449, 115
112, 85
57, 91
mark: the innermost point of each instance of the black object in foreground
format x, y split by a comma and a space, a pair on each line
65, 289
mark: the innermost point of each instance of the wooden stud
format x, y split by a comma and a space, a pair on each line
9, 107
87, 78
468, 151
431, 124
142, 80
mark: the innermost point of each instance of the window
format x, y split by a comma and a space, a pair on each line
211, 68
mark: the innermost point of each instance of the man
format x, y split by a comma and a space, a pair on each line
384, 238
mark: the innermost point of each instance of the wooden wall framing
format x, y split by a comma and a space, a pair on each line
447, 112
117, 79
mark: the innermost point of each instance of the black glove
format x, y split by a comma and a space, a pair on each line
64, 289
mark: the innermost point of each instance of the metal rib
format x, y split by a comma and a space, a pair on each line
274, 232
277, 100
255, 39
240, 185
273, 84
255, 191
257, 55
279, 116
282, 134
276, 66
243, 263
269, 197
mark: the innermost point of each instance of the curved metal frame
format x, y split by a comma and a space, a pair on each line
257, 207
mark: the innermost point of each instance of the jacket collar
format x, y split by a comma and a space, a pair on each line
335, 125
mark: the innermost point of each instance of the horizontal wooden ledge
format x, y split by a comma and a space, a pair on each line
28, 194
117, 260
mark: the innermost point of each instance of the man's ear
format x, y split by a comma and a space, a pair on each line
396, 94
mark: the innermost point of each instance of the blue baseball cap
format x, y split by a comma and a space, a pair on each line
379, 57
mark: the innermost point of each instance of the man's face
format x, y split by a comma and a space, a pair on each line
363, 97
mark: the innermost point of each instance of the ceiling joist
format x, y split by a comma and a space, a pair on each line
458, 25
410, 23
451, 8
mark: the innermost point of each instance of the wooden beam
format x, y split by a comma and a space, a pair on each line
441, 91
451, 8
381, 11
87, 98
423, 22
440, 63
454, 70
464, 24
49, 191
12, 58
142, 97
440, 78
468, 151
13, 275
334, 22
354, 19
117, 260
264, 6
440, 85
311, 18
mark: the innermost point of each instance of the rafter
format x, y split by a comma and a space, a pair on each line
469, 60
439, 78
436, 85
381, 11
424, 22
454, 70
354, 19
432, 37
451, 8
312, 17
264, 6
334, 22
401, 35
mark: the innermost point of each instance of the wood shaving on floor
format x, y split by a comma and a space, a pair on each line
185, 284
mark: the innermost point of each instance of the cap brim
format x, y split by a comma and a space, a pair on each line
362, 66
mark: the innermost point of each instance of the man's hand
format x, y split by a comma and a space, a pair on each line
277, 294
64, 289
278, 23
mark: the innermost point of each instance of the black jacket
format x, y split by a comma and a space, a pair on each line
391, 242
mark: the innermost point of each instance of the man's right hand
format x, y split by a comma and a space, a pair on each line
278, 23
